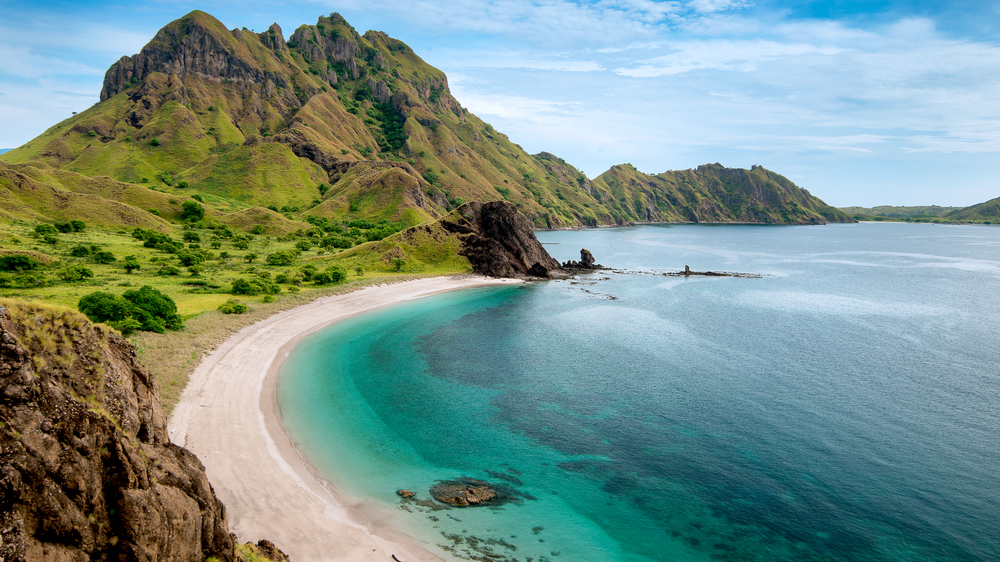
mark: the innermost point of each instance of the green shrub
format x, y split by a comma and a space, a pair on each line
285, 257
17, 263
75, 273
254, 286
337, 274
131, 263
233, 306
43, 229
192, 211
146, 309
104, 257
79, 251
154, 142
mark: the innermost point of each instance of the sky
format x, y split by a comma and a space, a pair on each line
884, 102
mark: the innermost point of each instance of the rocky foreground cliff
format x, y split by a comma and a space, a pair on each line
87, 471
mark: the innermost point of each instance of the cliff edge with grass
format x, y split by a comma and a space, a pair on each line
88, 471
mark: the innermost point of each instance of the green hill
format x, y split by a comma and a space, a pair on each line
988, 212
712, 193
337, 124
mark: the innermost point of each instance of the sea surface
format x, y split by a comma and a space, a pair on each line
843, 406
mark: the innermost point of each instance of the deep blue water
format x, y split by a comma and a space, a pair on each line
842, 407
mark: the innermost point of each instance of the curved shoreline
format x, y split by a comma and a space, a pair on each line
228, 416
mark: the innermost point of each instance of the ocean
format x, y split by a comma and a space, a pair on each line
845, 405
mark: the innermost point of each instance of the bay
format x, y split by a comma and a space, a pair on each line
841, 407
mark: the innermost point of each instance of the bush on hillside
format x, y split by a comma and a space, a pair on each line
142, 309
17, 262
233, 306
244, 286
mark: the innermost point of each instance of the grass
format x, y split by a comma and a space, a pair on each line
172, 356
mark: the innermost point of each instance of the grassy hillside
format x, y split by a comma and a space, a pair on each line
712, 193
987, 213
983, 213
247, 120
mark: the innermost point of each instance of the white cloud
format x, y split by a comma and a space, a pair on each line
713, 6
21, 62
741, 55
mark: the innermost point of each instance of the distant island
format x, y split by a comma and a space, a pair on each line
982, 213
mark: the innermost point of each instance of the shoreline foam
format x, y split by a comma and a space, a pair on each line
228, 415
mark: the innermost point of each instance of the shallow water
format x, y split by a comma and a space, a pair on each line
842, 407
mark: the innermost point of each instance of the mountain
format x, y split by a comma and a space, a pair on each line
986, 213
901, 212
335, 124
712, 193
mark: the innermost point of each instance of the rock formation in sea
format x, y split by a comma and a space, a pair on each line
586, 263
87, 470
465, 492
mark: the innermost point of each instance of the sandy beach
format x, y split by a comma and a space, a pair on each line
228, 416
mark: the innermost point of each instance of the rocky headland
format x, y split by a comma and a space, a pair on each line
87, 470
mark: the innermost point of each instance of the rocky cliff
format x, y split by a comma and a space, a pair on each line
87, 470
498, 240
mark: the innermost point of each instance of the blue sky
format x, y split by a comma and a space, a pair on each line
862, 103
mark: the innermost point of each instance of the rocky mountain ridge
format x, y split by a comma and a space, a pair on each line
248, 119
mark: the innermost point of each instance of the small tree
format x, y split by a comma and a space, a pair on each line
336, 273
131, 264
75, 273
398, 263
104, 257
192, 211
249, 257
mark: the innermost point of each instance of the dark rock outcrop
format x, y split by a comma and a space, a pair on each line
465, 492
194, 44
499, 241
87, 470
586, 262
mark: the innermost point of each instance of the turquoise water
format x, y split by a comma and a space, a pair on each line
843, 407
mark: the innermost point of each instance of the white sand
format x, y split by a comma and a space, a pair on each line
228, 416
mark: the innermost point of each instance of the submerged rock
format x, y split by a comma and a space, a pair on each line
465, 492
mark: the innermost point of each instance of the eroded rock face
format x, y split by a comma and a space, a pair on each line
87, 470
499, 241
193, 47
